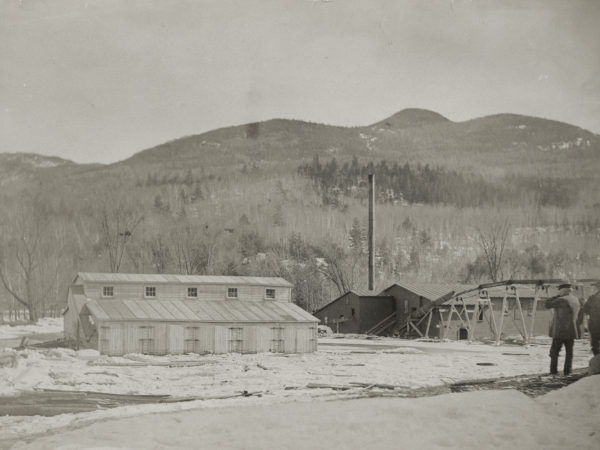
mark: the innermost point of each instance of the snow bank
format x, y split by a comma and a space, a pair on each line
473, 420
579, 402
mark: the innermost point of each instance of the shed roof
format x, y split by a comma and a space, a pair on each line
366, 293
197, 311
180, 279
431, 291
359, 293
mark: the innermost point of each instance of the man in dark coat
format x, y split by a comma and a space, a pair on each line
592, 309
564, 327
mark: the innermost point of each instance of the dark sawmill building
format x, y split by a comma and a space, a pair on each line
356, 311
446, 311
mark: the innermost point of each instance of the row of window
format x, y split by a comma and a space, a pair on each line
192, 292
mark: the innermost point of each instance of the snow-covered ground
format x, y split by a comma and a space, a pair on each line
565, 419
282, 381
43, 326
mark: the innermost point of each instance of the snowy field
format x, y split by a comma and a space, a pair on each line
43, 326
284, 385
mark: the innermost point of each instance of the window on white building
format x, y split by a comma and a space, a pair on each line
150, 291
108, 291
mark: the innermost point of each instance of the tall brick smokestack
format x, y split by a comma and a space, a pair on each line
371, 231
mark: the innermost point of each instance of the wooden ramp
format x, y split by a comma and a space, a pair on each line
384, 325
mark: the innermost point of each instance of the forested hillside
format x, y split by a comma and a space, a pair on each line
288, 198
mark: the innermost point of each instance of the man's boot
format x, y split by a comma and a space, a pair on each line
568, 366
553, 366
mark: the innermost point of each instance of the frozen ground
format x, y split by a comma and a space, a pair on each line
564, 419
286, 399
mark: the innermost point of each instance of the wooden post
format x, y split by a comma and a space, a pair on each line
533, 311
450, 312
474, 322
428, 323
525, 334
371, 230
468, 320
501, 318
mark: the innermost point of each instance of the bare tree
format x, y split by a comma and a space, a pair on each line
193, 247
160, 254
117, 225
31, 249
493, 244
339, 268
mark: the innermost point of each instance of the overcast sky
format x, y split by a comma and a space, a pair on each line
96, 81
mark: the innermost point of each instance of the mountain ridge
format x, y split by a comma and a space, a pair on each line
412, 134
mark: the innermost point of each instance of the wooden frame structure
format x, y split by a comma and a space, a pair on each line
468, 312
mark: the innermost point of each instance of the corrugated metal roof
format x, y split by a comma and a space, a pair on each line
360, 293
198, 311
181, 279
432, 291
367, 293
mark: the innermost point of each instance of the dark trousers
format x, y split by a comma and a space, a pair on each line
555, 351
595, 341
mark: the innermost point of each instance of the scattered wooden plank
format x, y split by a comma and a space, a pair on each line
110, 374
372, 385
336, 387
94, 394
212, 397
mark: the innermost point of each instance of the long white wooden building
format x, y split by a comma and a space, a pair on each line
166, 314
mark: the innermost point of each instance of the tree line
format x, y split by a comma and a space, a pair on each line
406, 183
249, 224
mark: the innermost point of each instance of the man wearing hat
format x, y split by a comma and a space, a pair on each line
592, 309
564, 327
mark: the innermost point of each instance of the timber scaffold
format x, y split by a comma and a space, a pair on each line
468, 309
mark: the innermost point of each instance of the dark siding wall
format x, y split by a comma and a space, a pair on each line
373, 310
407, 302
343, 306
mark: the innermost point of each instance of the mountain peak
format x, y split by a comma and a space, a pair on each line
410, 118
32, 160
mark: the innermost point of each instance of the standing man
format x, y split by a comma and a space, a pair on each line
592, 309
564, 327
